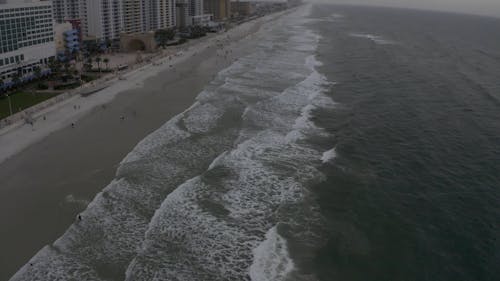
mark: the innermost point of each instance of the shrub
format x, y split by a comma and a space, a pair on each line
42, 86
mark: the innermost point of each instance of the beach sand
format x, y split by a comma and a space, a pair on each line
60, 169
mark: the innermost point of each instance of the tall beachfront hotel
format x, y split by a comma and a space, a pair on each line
66, 10
26, 37
107, 19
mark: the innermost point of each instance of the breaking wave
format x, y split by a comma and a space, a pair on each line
205, 196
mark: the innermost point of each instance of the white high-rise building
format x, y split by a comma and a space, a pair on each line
162, 14
195, 8
187, 10
134, 16
26, 37
102, 19
66, 9
147, 15
106, 19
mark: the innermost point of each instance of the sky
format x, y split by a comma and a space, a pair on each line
481, 7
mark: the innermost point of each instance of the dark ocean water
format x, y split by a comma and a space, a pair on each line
349, 144
414, 192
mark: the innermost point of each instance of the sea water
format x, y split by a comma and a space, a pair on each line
350, 144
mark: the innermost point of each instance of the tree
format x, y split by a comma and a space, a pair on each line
197, 31
37, 71
55, 66
98, 61
67, 55
67, 69
87, 66
1, 85
108, 43
16, 79
164, 35
106, 61
170, 34
161, 38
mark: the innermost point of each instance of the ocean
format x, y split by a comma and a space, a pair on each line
352, 144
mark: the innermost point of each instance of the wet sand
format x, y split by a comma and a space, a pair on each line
44, 187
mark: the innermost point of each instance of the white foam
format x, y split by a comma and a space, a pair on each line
168, 133
72, 199
206, 230
217, 161
328, 155
375, 38
271, 259
202, 118
211, 227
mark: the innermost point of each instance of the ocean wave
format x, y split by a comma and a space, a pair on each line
375, 38
201, 197
328, 155
271, 259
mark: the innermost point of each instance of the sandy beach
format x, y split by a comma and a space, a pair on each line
51, 171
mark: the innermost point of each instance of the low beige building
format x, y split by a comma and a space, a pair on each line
133, 42
242, 8
220, 9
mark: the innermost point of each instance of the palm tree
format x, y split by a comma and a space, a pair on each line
108, 43
161, 37
16, 79
1, 84
170, 34
87, 66
67, 69
164, 35
106, 61
55, 66
37, 71
98, 60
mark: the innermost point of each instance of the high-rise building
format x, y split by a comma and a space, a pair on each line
187, 10
26, 37
220, 9
106, 19
101, 19
195, 8
162, 14
134, 16
182, 11
66, 9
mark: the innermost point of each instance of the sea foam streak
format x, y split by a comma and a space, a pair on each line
271, 259
200, 198
375, 38
328, 155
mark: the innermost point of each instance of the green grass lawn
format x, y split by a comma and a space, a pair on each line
21, 100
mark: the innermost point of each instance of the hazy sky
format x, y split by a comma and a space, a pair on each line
485, 7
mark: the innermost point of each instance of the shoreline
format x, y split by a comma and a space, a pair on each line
54, 171
17, 136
